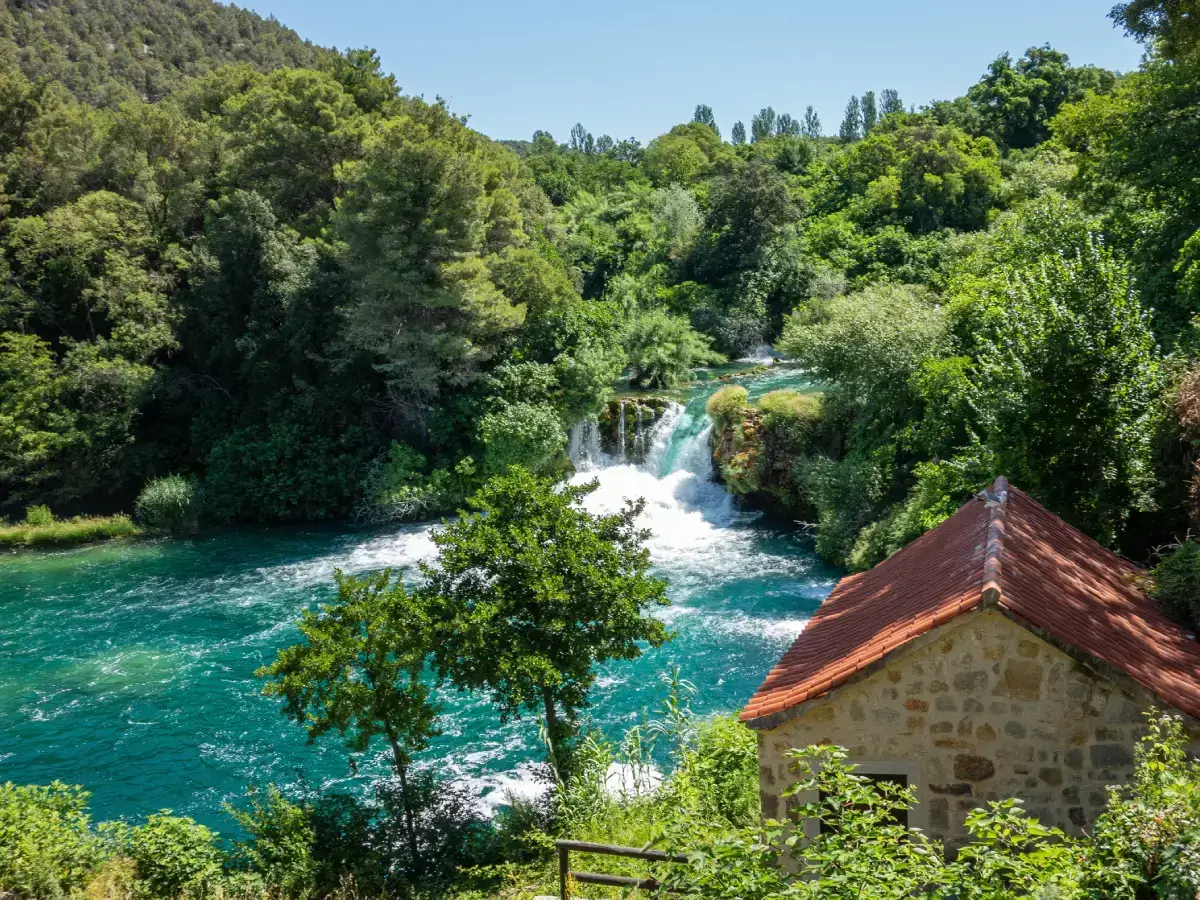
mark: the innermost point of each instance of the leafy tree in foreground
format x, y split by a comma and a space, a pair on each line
663, 349
358, 672
531, 592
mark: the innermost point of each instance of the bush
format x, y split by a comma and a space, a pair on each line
47, 847
792, 418
727, 406
169, 504
284, 473
174, 855
521, 434
1175, 582
663, 349
38, 516
280, 846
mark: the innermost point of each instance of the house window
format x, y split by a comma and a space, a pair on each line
899, 817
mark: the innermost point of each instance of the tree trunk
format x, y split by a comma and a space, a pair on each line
553, 731
410, 827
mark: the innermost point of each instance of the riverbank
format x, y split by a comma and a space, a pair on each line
67, 532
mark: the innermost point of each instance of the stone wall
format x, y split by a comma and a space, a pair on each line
979, 710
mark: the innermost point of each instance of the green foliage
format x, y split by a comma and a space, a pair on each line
1068, 378
279, 843
1175, 581
47, 847
67, 532
940, 489
663, 349
521, 434
283, 472
359, 673
38, 516
169, 504
727, 407
531, 592
398, 486
1016, 102
173, 856
1145, 843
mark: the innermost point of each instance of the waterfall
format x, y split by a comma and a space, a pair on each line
639, 438
621, 434
583, 446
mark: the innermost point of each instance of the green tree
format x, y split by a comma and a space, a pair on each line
889, 103
870, 112
532, 592
737, 134
704, 115
423, 208
812, 124
1068, 374
1016, 101
358, 672
852, 125
762, 125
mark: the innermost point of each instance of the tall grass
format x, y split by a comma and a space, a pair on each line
66, 532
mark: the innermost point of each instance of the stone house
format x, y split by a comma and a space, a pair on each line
1003, 653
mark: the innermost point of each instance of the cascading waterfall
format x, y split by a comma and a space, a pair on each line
621, 433
639, 437
142, 655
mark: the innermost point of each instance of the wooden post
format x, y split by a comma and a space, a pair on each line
564, 872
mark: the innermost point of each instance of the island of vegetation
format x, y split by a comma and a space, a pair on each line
244, 278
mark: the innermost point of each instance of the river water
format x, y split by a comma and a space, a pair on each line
128, 668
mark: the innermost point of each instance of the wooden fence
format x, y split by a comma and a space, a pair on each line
566, 876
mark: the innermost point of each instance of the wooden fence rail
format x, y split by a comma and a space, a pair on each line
566, 876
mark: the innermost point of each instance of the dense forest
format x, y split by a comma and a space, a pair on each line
257, 267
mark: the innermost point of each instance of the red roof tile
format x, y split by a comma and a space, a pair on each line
1006, 548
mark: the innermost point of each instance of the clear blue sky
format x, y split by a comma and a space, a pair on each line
634, 69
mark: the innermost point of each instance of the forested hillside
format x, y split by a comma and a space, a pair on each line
105, 53
234, 257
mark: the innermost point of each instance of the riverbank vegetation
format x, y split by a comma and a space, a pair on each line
40, 529
202, 264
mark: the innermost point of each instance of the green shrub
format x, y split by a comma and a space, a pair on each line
1175, 582
169, 504
280, 846
663, 349
792, 419
727, 406
521, 434
38, 516
174, 855
284, 472
47, 847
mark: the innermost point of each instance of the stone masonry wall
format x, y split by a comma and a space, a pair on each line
979, 710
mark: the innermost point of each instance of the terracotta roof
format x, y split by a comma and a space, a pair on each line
1004, 548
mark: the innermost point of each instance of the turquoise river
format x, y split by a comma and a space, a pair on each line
128, 668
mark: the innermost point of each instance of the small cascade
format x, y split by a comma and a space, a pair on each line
583, 446
621, 434
639, 436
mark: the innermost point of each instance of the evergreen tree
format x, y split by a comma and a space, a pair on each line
704, 115
889, 102
762, 126
870, 113
851, 129
812, 124
737, 134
